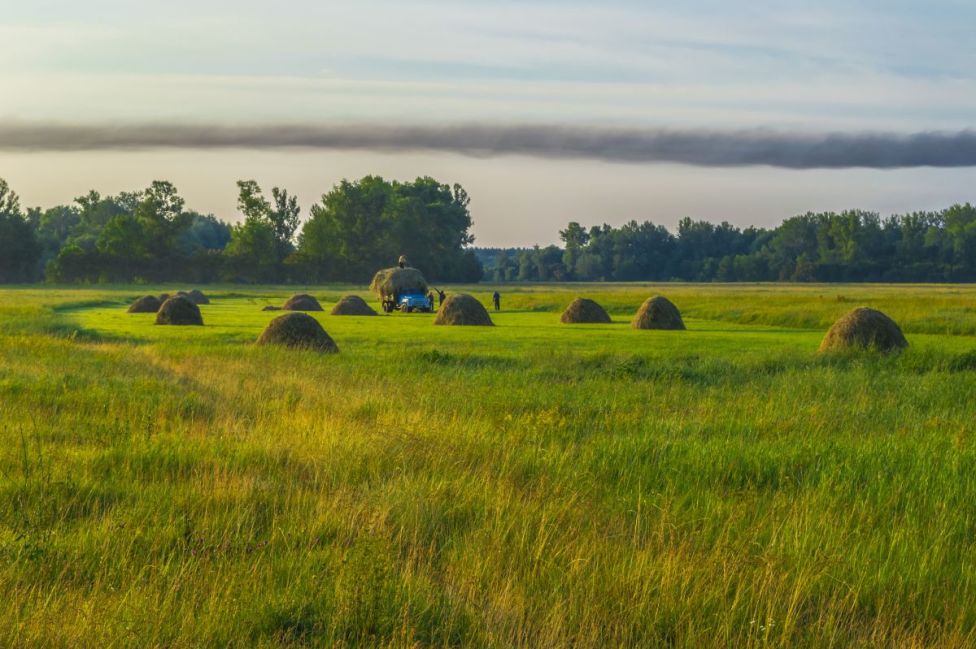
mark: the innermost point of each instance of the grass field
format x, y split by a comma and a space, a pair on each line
532, 484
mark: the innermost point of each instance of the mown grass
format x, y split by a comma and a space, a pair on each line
532, 484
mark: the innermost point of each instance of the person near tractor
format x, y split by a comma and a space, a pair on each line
440, 298
430, 298
403, 261
497, 299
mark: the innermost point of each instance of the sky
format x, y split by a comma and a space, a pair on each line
788, 68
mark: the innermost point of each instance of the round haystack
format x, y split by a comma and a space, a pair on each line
585, 311
352, 305
461, 309
179, 311
302, 302
271, 308
297, 331
658, 312
864, 328
197, 297
163, 297
392, 281
147, 304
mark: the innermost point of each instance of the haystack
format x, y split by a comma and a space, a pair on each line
147, 304
163, 297
297, 331
271, 308
658, 312
302, 302
179, 311
197, 297
391, 281
585, 311
864, 328
461, 309
352, 305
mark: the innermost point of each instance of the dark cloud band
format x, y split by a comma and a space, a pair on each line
693, 147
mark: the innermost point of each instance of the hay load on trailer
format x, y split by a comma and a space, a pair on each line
401, 289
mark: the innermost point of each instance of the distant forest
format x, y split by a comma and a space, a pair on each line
361, 226
851, 246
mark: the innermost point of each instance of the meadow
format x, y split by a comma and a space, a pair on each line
531, 484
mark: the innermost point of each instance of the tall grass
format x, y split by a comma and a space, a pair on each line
532, 484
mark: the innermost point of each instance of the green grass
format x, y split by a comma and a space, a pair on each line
531, 484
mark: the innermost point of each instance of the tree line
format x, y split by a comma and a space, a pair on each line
150, 236
361, 226
850, 246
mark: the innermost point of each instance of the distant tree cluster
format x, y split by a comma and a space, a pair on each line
150, 236
851, 246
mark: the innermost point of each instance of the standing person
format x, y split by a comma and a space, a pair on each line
430, 298
440, 298
403, 261
497, 299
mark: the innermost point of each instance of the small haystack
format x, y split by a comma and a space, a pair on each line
658, 312
271, 308
352, 305
864, 328
163, 297
302, 302
461, 309
392, 281
197, 297
585, 311
297, 331
179, 311
147, 304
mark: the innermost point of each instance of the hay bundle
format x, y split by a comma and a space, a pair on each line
147, 304
352, 305
179, 311
197, 297
271, 308
297, 331
302, 302
658, 312
163, 297
864, 328
392, 281
461, 309
584, 311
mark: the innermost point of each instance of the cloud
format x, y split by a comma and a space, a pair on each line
707, 148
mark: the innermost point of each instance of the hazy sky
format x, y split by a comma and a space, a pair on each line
901, 67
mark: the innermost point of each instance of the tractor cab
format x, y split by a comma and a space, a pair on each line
408, 302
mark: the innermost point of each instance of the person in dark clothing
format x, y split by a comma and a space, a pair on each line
440, 297
430, 298
497, 299
403, 261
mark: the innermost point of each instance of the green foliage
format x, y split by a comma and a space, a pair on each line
19, 249
360, 227
252, 254
827, 247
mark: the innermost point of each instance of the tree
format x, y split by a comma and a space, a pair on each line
252, 254
20, 252
362, 226
283, 215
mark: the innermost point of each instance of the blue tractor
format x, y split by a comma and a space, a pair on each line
408, 302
